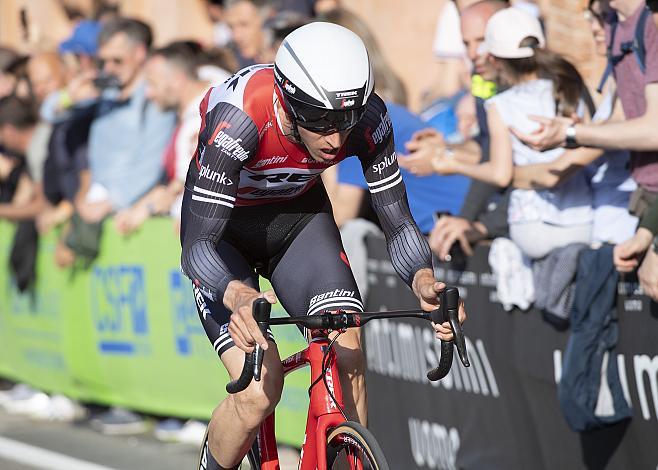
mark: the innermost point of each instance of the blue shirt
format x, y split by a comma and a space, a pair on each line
126, 143
426, 194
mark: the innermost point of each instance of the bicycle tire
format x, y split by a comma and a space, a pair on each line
207, 462
350, 440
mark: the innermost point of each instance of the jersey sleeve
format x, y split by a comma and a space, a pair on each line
228, 138
407, 247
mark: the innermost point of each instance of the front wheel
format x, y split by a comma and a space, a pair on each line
350, 446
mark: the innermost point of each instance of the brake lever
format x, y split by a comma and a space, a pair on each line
449, 311
262, 310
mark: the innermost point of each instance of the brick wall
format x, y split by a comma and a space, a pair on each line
406, 31
568, 33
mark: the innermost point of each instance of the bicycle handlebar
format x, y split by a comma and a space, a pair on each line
448, 311
253, 362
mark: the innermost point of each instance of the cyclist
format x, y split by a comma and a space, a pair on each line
254, 204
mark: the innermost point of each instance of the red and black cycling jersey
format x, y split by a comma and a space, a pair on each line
244, 158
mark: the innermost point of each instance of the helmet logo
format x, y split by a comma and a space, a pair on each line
347, 103
289, 87
347, 94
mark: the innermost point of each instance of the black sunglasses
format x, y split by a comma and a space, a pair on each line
324, 121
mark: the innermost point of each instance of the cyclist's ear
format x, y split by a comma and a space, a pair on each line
270, 296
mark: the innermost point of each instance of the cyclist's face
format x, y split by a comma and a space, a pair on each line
323, 147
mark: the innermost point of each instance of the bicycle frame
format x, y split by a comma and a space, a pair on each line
323, 414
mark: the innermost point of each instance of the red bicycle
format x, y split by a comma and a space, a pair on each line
331, 440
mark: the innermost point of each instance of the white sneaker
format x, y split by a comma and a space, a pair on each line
36, 405
192, 433
167, 430
17, 392
64, 409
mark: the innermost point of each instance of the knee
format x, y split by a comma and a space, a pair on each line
259, 399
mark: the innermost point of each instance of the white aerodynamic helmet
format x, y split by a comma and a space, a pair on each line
325, 77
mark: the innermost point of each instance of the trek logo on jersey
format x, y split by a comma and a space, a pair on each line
220, 178
228, 144
269, 161
381, 166
284, 177
381, 132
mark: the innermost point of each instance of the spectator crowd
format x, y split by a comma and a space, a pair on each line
511, 146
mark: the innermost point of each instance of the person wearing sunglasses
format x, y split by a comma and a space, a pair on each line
254, 204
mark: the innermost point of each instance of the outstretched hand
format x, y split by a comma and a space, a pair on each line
552, 132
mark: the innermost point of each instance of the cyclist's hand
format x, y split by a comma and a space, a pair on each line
443, 331
242, 327
427, 289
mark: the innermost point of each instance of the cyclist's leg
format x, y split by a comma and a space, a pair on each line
235, 421
314, 275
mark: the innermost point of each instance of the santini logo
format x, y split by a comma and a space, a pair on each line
220, 178
269, 161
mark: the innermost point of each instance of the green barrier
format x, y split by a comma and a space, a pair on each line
126, 332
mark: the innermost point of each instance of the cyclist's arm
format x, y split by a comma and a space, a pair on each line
213, 196
407, 247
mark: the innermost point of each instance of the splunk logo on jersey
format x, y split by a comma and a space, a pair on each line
220, 178
228, 144
381, 166
433, 445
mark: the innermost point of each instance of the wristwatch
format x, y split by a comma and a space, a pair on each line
570, 140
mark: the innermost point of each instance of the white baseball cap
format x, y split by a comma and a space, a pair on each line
505, 31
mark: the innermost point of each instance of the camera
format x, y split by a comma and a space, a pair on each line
106, 80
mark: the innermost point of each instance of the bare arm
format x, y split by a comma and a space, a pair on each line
27, 203
498, 170
549, 175
633, 134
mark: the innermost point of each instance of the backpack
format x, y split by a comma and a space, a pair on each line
636, 46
